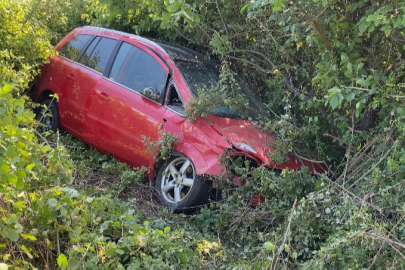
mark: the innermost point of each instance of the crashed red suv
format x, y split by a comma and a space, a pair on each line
114, 88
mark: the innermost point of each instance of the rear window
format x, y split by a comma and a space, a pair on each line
72, 49
98, 53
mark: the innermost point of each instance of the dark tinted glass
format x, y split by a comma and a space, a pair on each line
205, 77
73, 48
86, 55
99, 56
136, 69
125, 50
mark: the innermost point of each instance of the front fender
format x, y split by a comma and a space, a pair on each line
207, 165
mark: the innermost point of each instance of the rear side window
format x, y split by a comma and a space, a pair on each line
137, 70
98, 53
72, 49
86, 55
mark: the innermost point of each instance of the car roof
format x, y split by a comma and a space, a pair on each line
175, 52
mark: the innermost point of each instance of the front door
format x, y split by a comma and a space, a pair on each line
119, 112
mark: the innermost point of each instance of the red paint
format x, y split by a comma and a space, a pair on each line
257, 199
113, 118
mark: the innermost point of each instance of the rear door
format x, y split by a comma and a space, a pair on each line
67, 70
81, 81
118, 109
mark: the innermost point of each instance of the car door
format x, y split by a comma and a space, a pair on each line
121, 112
65, 73
81, 81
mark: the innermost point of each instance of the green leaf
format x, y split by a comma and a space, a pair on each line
349, 68
387, 30
104, 226
30, 166
400, 111
120, 251
359, 107
269, 246
6, 89
350, 96
62, 261
45, 148
277, 5
26, 251
187, 15
4, 169
29, 237
21, 174
363, 25
13, 218
12, 234
174, 7
244, 7
63, 212
14, 160
19, 184
52, 202
11, 151
12, 179
334, 102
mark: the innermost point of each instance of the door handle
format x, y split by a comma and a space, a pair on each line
102, 95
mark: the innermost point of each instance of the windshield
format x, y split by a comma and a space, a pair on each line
232, 98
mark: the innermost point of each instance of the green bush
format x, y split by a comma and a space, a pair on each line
331, 73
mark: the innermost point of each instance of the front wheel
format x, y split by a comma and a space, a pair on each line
179, 187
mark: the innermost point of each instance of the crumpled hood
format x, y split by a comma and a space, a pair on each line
243, 135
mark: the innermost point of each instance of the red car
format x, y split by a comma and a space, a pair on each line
114, 87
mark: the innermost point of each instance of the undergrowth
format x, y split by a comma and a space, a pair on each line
335, 71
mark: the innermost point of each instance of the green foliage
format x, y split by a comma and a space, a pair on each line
331, 73
163, 147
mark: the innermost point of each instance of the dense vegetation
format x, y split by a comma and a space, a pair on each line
330, 71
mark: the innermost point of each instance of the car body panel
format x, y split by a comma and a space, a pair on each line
244, 136
76, 89
199, 137
124, 116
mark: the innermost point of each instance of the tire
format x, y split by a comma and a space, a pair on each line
179, 187
48, 115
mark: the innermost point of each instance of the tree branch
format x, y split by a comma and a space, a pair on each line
312, 21
252, 64
253, 52
222, 19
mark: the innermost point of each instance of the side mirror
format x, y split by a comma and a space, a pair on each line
151, 93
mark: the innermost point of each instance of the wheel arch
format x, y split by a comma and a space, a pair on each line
45, 91
203, 165
45, 95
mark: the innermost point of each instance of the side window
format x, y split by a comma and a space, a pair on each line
72, 49
174, 100
98, 53
139, 71
116, 72
86, 55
